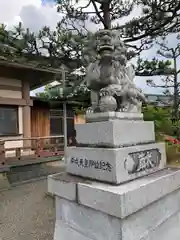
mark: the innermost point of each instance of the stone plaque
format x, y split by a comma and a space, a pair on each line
142, 160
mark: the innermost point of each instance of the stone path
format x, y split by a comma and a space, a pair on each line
27, 213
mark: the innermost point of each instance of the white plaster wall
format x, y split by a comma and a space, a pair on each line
20, 116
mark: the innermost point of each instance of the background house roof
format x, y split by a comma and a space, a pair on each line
159, 99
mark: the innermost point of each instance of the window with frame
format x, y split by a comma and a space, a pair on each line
57, 122
9, 121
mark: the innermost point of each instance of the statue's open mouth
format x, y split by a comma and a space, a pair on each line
107, 47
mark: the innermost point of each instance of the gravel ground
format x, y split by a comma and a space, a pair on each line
27, 213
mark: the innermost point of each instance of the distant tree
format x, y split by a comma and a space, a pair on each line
72, 91
45, 94
169, 70
161, 117
154, 67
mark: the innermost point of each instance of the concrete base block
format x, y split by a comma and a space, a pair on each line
77, 222
167, 230
64, 232
28, 170
86, 221
144, 209
57, 184
4, 183
116, 165
116, 133
107, 116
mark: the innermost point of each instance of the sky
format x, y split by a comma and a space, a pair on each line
35, 14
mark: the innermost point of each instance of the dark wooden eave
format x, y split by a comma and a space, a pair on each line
36, 76
54, 103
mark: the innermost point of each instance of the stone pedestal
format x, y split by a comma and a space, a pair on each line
116, 165
96, 198
144, 209
118, 147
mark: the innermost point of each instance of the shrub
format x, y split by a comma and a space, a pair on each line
173, 152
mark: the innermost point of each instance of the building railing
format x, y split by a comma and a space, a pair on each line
12, 149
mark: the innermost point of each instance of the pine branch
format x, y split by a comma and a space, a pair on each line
157, 72
98, 13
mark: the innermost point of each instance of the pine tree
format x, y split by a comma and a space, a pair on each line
169, 71
156, 17
44, 49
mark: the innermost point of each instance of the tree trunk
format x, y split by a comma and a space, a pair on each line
176, 107
176, 99
106, 15
176, 93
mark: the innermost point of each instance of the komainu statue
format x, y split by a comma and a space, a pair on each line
108, 77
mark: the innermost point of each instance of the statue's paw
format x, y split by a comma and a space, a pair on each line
104, 92
107, 92
89, 110
97, 110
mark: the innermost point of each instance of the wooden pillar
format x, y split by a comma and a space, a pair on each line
26, 112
